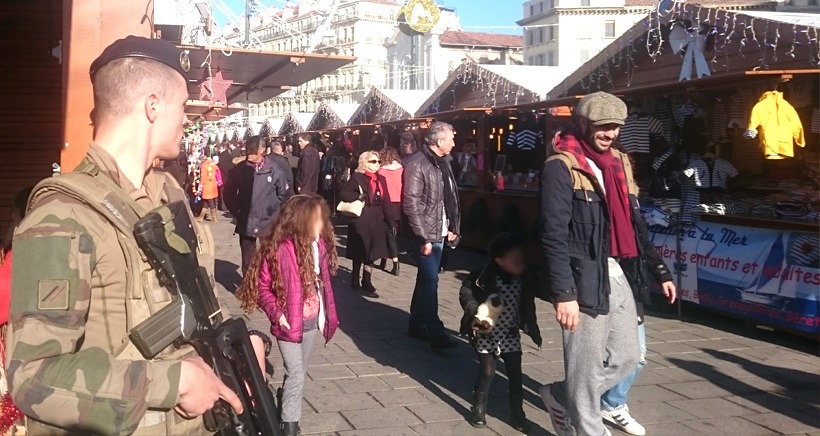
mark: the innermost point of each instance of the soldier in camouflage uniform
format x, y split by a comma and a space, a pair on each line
80, 283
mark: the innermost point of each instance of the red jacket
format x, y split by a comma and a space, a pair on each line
391, 175
293, 307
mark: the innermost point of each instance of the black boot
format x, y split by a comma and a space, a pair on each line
395, 270
383, 264
478, 412
519, 419
291, 428
355, 277
368, 290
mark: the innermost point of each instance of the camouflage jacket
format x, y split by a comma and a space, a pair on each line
69, 318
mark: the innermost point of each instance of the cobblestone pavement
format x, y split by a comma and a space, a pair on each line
706, 375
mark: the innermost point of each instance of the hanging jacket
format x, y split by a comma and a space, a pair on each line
780, 126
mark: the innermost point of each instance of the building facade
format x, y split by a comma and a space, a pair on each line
568, 33
423, 62
357, 28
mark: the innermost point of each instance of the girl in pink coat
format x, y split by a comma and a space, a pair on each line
289, 279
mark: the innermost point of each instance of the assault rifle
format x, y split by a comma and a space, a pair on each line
166, 236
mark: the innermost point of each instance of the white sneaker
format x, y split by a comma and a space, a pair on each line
558, 415
623, 420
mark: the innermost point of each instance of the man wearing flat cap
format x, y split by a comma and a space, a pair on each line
594, 242
80, 284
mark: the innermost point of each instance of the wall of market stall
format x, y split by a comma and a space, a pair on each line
736, 217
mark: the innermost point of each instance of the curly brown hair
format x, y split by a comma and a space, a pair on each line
389, 155
293, 223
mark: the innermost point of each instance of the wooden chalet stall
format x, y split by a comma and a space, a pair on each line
47, 48
388, 112
740, 224
498, 152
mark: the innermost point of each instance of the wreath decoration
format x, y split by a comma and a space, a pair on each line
420, 15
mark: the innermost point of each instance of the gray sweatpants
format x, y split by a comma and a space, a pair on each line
296, 357
597, 355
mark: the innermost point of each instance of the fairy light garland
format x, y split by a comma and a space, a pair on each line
727, 30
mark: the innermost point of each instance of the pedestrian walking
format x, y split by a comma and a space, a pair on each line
499, 302
590, 243
289, 279
614, 408
430, 202
307, 179
366, 241
277, 156
407, 145
225, 164
255, 191
390, 176
210, 179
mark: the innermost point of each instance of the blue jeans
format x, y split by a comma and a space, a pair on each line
424, 306
615, 398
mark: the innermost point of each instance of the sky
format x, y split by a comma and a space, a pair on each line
493, 16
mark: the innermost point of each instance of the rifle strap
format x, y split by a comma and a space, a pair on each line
86, 185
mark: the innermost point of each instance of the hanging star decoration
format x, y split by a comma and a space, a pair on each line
215, 89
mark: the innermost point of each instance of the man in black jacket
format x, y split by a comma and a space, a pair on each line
225, 166
307, 179
430, 202
595, 248
255, 190
277, 156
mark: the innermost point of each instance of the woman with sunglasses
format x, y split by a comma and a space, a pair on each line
366, 240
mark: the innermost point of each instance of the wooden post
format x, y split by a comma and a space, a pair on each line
88, 27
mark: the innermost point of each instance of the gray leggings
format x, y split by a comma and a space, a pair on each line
598, 355
296, 357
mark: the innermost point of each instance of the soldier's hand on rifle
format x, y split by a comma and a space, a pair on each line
283, 322
200, 389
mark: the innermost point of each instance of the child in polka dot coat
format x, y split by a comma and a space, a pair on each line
499, 302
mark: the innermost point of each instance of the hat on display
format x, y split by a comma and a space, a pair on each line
139, 47
601, 108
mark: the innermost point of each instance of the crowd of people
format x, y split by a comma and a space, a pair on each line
71, 364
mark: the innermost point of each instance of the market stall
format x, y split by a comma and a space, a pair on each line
329, 116
724, 130
498, 152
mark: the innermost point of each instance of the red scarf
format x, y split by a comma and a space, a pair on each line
623, 243
374, 186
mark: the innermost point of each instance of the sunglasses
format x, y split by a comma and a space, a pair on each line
374, 161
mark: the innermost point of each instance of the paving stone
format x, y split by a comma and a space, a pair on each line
765, 402
727, 427
319, 387
789, 423
673, 336
323, 423
669, 429
368, 369
698, 389
399, 381
363, 384
400, 397
338, 403
455, 428
329, 372
711, 408
656, 412
393, 431
435, 413
381, 418
672, 347
653, 393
